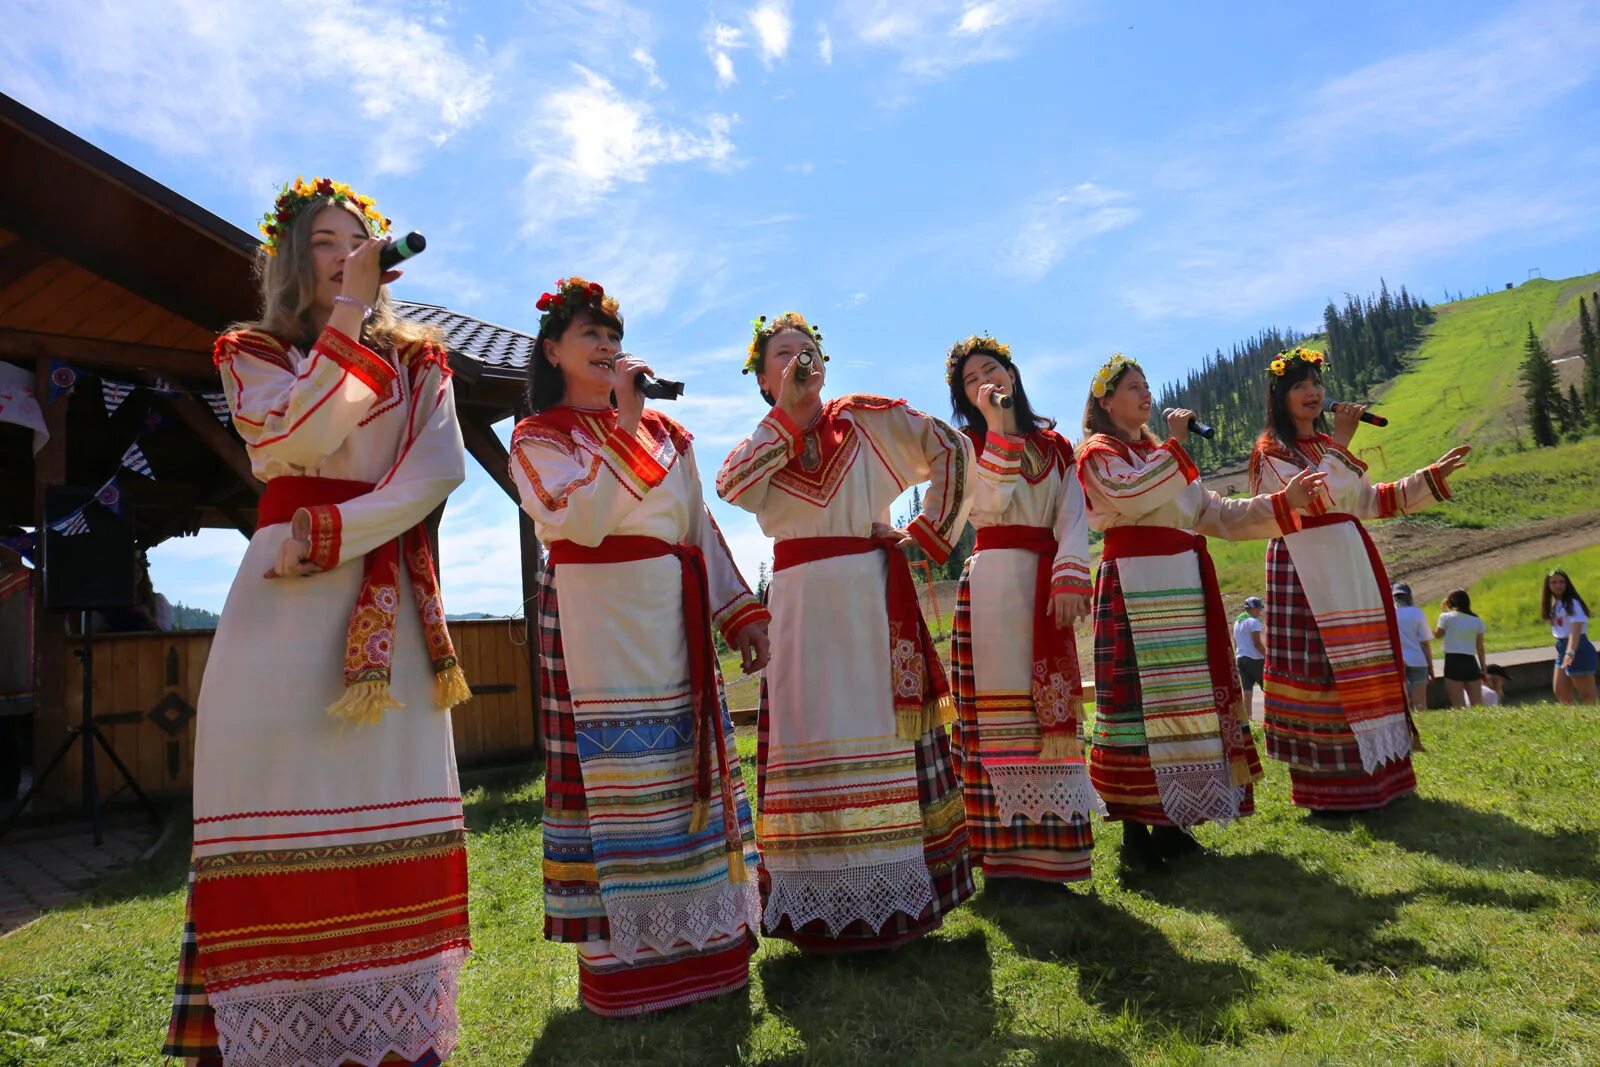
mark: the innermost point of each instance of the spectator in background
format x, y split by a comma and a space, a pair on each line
1416, 645
1248, 649
1576, 660
1495, 679
1463, 632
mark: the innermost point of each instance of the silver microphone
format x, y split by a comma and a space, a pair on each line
999, 400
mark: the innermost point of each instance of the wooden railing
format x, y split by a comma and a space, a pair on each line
147, 691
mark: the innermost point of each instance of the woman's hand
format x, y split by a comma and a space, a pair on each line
755, 651
295, 553
1000, 420
1303, 488
1452, 460
902, 539
630, 402
1068, 608
1178, 424
361, 274
1346, 421
801, 401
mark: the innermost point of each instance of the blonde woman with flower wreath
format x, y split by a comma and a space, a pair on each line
863, 841
1336, 706
328, 897
648, 848
1014, 663
1171, 740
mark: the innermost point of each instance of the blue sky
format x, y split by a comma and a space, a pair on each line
1074, 178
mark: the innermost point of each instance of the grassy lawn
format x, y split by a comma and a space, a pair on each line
1508, 600
1461, 927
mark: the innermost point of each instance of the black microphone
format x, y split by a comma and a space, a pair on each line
803, 364
401, 248
654, 388
999, 400
1195, 425
1328, 404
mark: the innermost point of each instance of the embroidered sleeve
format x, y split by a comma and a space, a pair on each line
917, 448
575, 492
749, 468
431, 463
1070, 571
299, 416
995, 477
1131, 485
733, 605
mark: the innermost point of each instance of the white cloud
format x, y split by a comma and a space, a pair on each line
824, 43
724, 67
980, 18
936, 37
1063, 221
720, 39
589, 137
770, 19
647, 63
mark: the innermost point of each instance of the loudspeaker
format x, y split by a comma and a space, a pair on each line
93, 569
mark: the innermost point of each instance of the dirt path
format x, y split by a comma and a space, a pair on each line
1436, 560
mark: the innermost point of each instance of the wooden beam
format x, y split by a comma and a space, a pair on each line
491, 455
224, 445
31, 344
19, 259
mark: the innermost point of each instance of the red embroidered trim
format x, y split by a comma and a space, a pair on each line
935, 546
1288, 518
747, 613
372, 369
325, 527
1191, 473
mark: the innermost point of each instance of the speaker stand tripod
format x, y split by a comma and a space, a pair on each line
87, 731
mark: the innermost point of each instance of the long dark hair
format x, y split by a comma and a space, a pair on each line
1458, 600
546, 384
1280, 424
1028, 422
1547, 599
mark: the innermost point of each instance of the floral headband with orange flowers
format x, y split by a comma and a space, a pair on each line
763, 328
292, 199
971, 346
570, 295
1280, 366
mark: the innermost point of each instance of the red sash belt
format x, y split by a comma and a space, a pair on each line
1055, 655
706, 708
1123, 542
921, 691
369, 641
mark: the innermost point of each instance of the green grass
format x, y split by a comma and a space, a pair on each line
1461, 927
1508, 600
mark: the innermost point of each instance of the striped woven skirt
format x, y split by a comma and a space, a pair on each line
1119, 756
1040, 845
1306, 724
652, 978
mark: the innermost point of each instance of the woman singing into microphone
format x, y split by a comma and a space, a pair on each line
863, 843
1172, 746
649, 854
1335, 681
1014, 664
328, 894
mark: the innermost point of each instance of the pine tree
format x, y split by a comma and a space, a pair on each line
1575, 411
763, 580
1541, 389
1589, 340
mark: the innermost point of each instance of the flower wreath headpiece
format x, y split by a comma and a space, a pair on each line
570, 295
292, 199
1115, 366
1280, 366
962, 349
762, 328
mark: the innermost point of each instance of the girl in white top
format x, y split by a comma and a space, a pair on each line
1463, 649
1576, 659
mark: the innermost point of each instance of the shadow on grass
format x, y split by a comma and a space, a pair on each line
711, 1032
493, 798
1482, 839
931, 1001
1273, 904
1122, 961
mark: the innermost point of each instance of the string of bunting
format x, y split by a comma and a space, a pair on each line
64, 378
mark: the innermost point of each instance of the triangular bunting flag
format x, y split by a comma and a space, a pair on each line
114, 393
71, 524
109, 496
62, 379
219, 406
134, 460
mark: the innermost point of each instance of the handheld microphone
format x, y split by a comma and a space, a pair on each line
1195, 425
654, 388
1328, 404
999, 400
401, 248
803, 364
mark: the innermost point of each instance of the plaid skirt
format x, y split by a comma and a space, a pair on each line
1049, 848
1119, 757
1306, 726
944, 850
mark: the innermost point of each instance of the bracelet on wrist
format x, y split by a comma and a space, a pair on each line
366, 308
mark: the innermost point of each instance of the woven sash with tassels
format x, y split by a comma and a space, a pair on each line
369, 644
707, 704
1056, 683
921, 692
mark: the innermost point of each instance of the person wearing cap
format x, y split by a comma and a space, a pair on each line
1249, 651
1416, 645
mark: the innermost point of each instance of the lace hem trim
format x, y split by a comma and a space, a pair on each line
1191, 795
663, 921
1382, 740
872, 894
1034, 790
360, 1018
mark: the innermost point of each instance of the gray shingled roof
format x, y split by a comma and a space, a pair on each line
495, 347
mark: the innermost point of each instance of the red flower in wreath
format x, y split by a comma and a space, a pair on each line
594, 287
544, 302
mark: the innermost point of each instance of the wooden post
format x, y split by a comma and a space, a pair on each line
530, 616
50, 718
